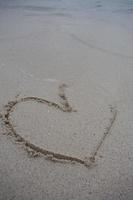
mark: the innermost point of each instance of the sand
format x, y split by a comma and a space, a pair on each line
94, 58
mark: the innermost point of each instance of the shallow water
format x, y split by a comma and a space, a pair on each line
101, 7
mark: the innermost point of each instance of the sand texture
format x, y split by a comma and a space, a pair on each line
66, 111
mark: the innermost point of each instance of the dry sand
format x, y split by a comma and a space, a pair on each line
95, 59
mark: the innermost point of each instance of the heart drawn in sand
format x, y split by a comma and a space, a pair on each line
53, 155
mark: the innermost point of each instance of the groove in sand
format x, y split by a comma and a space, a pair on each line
53, 156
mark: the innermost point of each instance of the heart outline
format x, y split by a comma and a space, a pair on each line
53, 156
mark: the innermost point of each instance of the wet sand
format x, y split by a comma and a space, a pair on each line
39, 50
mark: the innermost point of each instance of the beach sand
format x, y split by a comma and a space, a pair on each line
94, 58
